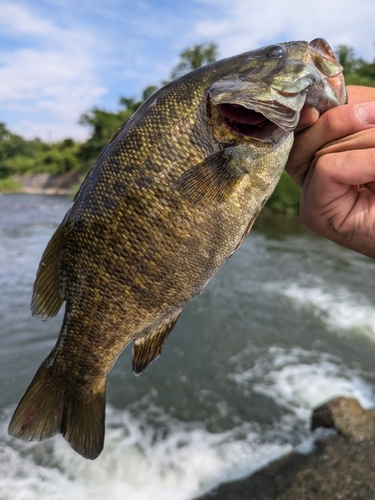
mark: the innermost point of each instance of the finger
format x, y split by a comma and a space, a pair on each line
364, 139
347, 168
348, 220
309, 116
339, 185
358, 94
333, 125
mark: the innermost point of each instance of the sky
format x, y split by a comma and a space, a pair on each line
61, 58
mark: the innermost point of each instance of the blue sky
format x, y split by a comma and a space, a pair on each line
60, 58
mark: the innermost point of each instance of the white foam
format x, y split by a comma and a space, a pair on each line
152, 455
300, 380
337, 307
138, 462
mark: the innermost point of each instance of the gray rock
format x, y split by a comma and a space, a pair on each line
347, 417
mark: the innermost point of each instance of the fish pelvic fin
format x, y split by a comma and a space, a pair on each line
45, 411
47, 298
149, 347
211, 180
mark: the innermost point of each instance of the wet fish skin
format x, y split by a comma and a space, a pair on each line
172, 196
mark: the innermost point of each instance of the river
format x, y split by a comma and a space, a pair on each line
287, 323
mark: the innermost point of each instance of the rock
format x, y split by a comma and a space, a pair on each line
338, 468
347, 417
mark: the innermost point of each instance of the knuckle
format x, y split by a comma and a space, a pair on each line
326, 164
332, 123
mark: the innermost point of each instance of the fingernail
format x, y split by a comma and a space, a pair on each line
366, 112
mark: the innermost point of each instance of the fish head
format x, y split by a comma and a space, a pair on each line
262, 96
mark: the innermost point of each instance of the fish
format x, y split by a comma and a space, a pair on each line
171, 197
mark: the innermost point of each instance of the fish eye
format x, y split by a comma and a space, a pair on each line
276, 51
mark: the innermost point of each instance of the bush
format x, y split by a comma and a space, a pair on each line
285, 198
9, 185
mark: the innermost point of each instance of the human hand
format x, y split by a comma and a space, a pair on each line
334, 163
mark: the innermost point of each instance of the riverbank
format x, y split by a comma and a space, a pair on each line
44, 184
48, 183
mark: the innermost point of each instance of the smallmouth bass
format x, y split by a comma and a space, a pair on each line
172, 196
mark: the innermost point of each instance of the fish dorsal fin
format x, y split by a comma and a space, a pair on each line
47, 299
213, 179
149, 347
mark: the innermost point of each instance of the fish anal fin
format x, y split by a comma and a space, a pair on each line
149, 347
46, 410
213, 179
47, 299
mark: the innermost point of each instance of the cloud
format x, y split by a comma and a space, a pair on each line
53, 76
17, 20
245, 25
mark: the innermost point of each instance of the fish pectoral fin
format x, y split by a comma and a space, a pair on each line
47, 298
149, 347
213, 179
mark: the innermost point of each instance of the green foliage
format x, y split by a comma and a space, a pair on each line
132, 105
356, 70
20, 156
11, 146
285, 198
103, 125
194, 58
9, 185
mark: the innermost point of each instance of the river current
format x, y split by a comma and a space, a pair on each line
285, 325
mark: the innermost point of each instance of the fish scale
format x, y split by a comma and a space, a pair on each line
170, 198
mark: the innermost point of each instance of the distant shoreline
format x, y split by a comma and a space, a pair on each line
284, 200
48, 184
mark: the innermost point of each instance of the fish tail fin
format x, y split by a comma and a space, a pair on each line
45, 410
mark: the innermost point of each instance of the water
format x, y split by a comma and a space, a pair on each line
286, 324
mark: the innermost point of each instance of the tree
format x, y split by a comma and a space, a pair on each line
194, 58
132, 105
356, 70
13, 145
103, 125
21, 156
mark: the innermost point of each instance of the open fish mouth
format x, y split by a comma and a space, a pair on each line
254, 110
247, 122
